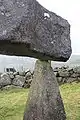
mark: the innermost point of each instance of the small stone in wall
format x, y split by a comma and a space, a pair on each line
11, 75
27, 83
5, 80
18, 81
77, 69
70, 80
75, 75
63, 73
59, 79
28, 75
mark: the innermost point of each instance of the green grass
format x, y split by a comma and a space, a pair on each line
71, 98
12, 102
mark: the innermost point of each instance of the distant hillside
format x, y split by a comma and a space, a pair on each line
28, 63
75, 59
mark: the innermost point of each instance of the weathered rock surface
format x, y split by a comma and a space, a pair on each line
28, 29
27, 83
75, 75
70, 80
11, 75
18, 81
44, 102
5, 80
77, 70
63, 73
67, 75
28, 75
59, 79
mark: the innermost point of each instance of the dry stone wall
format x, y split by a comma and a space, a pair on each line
16, 80
24, 79
67, 75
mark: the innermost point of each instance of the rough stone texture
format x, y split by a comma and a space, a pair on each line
75, 75
27, 83
18, 81
64, 80
67, 75
5, 80
70, 70
44, 101
28, 75
77, 69
59, 79
28, 29
63, 73
70, 80
16, 73
11, 75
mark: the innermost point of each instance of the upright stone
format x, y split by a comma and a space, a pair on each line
44, 101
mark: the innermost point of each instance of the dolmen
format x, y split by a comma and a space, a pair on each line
28, 29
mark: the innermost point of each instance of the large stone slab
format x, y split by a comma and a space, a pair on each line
5, 80
44, 101
28, 29
18, 81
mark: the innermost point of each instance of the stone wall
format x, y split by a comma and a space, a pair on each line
16, 79
67, 75
24, 79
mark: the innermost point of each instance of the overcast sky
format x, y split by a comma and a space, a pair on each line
70, 10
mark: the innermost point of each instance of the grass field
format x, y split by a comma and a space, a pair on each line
12, 102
